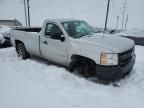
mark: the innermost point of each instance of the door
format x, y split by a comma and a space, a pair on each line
51, 46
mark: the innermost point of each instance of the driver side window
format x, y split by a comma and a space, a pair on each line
53, 31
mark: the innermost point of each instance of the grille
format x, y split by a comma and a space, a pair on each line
125, 57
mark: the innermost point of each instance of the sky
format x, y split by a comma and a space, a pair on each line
93, 11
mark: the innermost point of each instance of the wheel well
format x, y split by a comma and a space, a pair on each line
80, 59
17, 42
25, 54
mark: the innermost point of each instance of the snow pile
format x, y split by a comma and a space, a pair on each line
35, 83
4, 30
133, 33
1, 39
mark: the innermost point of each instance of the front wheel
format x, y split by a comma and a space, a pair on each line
88, 70
21, 51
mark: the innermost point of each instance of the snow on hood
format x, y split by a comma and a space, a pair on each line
115, 43
133, 33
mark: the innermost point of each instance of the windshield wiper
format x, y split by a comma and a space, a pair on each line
85, 35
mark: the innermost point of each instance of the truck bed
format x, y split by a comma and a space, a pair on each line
28, 29
27, 35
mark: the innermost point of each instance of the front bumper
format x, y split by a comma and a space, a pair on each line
113, 73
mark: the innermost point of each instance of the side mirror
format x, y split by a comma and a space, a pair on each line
56, 36
62, 38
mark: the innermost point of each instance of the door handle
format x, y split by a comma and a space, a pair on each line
45, 42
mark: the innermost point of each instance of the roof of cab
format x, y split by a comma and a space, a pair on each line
58, 20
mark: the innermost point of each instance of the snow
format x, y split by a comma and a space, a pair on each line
1, 39
132, 33
3, 30
35, 83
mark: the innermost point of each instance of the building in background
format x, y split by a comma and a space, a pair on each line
14, 22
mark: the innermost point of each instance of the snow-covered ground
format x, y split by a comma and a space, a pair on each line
34, 83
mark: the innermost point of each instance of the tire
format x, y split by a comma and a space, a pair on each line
87, 70
73, 65
21, 51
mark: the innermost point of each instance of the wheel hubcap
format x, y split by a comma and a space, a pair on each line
20, 51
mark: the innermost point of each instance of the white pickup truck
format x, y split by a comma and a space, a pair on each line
73, 43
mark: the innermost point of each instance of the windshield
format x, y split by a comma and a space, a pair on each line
77, 29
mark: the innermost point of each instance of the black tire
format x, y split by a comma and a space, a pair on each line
21, 51
73, 65
88, 70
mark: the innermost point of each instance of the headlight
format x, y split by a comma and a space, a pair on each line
108, 59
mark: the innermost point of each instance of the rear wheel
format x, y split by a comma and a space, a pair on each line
21, 51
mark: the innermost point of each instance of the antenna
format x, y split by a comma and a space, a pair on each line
126, 22
117, 22
72, 14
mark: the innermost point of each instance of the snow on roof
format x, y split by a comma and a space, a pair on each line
132, 33
58, 20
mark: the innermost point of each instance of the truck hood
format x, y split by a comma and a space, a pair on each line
114, 43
